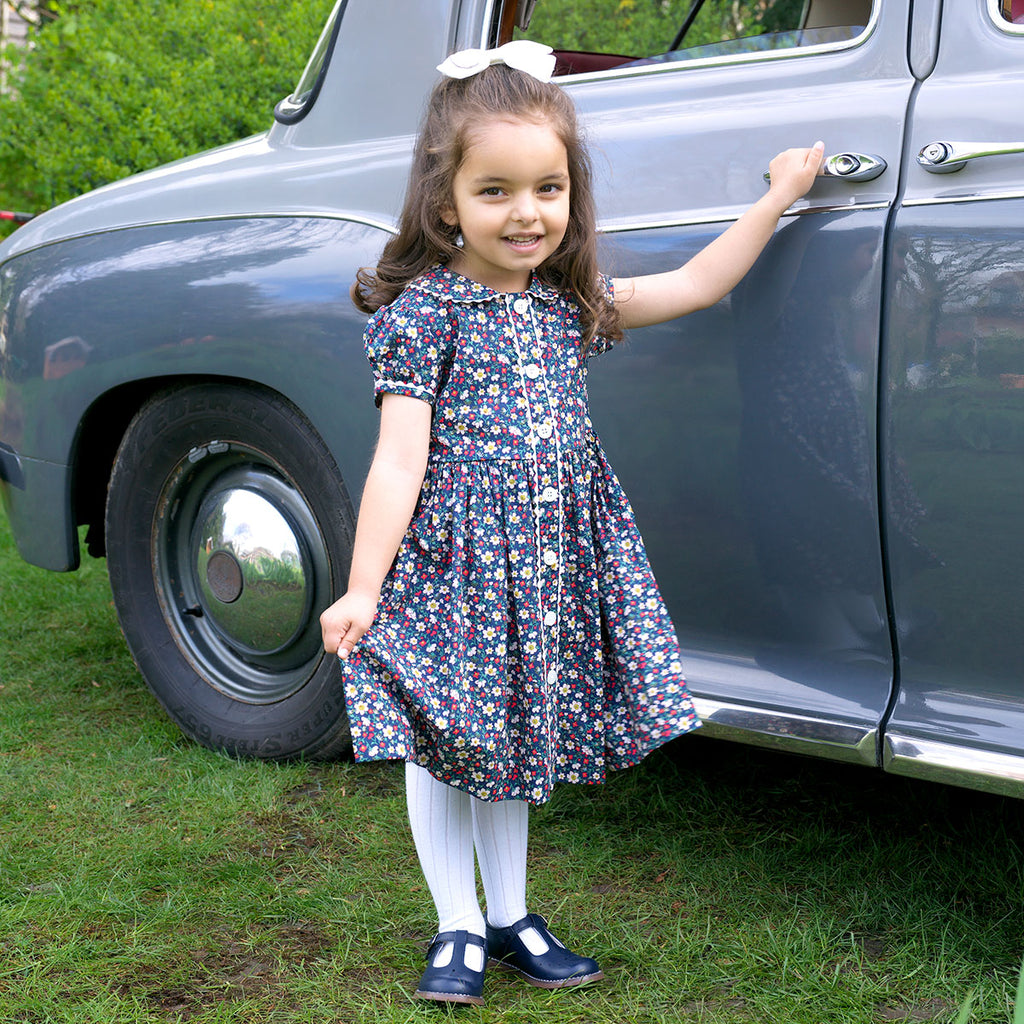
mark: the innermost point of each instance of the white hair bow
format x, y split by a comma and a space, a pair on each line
534, 59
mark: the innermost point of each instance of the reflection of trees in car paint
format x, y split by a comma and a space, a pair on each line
969, 300
957, 415
807, 440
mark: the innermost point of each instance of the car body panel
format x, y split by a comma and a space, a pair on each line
259, 299
775, 612
37, 503
955, 410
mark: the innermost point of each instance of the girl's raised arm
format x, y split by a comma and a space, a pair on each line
718, 268
389, 500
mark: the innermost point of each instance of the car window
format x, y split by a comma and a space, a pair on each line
1011, 11
595, 35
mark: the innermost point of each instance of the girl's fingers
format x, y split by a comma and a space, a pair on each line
344, 623
349, 639
332, 631
348, 644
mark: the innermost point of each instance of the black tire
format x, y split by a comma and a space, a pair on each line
228, 531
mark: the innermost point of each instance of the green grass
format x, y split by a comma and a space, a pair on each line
144, 879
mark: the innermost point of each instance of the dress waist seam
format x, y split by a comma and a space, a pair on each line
436, 460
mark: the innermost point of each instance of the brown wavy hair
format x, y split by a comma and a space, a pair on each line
455, 108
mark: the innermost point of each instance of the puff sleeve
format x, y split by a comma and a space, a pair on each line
410, 344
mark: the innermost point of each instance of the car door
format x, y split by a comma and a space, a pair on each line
746, 434
954, 410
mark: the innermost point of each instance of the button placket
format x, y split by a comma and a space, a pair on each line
547, 473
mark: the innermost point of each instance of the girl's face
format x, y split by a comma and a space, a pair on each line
511, 202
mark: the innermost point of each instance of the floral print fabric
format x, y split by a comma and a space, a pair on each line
520, 639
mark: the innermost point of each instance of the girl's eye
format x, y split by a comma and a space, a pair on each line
550, 189
492, 191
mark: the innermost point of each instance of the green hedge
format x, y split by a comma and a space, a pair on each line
110, 88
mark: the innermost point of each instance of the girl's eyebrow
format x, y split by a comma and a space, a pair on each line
494, 179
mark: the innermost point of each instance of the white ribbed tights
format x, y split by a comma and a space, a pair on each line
446, 825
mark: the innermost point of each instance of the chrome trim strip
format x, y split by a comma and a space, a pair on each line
781, 730
353, 218
211, 218
949, 200
954, 764
736, 60
876, 204
617, 227
1000, 22
391, 229
487, 24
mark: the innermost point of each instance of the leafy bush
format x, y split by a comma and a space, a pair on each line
110, 88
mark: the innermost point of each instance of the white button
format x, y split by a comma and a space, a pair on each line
532, 371
550, 494
545, 429
550, 619
550, 557
521, 306
553, 677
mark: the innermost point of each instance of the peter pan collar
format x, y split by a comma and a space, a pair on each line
444, 283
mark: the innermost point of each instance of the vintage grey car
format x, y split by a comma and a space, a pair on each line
828, 467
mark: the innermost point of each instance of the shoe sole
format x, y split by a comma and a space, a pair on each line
449, 997
579, 979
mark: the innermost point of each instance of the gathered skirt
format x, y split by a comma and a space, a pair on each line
521, 639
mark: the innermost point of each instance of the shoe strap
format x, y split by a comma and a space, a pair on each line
460, 938
538, 924
531, 921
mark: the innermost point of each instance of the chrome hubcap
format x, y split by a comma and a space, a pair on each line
242, 569
251, 570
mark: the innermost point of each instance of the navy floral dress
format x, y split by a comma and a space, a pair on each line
520, 638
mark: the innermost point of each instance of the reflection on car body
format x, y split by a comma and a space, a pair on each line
827, 466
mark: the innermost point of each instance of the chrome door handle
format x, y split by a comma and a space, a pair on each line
853, 166
946, 157
849, 166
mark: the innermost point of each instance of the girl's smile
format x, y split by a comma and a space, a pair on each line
511, 198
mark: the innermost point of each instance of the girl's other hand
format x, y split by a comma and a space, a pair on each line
793, 172
344, 623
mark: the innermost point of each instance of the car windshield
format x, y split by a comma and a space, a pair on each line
294, 107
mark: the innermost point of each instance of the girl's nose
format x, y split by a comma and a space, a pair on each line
525, 209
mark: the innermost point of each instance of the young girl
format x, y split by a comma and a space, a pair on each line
502, 630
